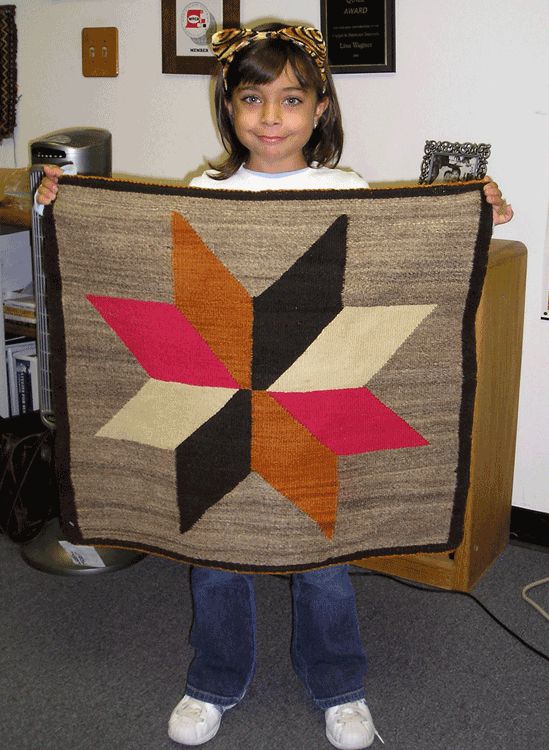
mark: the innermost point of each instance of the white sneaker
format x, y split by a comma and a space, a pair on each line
349, 726
193, 722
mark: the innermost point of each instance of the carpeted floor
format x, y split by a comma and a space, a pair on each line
97, 663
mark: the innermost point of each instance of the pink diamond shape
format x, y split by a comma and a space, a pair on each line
350, 420
163, 341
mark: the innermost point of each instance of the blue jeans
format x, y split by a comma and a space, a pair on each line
327, 651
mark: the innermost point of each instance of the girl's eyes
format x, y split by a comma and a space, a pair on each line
253, 99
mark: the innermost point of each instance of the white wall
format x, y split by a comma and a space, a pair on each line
466, 71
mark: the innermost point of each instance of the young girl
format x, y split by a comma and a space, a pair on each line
279, 120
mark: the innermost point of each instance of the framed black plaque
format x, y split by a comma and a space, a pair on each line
359, 35
187, 28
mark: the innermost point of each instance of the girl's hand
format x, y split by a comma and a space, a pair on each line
47, 190
502, 212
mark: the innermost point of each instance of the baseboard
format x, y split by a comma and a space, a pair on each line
529, 527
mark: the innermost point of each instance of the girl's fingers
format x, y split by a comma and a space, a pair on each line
502, 215
494, 198
47, 184
493, 193
46, 192
491, 187
43, 197
52, 170
501, 210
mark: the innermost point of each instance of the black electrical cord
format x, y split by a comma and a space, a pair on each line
9, 469
432, 589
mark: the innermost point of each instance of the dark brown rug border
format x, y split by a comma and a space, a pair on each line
469, 366
136, 186
58, 365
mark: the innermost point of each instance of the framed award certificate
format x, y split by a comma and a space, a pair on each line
359, 35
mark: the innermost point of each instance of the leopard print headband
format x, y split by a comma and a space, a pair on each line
227, 42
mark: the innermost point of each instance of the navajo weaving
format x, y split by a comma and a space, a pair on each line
8, 70
264, 381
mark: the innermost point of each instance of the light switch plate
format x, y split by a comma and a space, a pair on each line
100, 51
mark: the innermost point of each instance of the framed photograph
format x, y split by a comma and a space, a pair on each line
359, 35
454, 162
187, 28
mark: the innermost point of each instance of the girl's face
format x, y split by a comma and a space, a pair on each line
274, 121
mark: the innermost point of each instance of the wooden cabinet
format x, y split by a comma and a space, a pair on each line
499, 342
15, 273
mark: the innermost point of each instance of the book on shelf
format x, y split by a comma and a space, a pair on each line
20, 328
17, 340
26, 378
21, 308
17, 345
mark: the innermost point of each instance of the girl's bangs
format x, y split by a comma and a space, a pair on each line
263, 62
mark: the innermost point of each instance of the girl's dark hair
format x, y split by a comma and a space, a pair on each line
262, 62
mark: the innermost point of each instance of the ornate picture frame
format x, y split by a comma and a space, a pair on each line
444, 161
186, 29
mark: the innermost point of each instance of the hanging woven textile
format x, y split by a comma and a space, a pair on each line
8, 70
264, 381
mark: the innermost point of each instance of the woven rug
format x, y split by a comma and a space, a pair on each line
264, 381
8, 70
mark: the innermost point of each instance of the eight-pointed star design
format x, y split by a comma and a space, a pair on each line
272, 384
